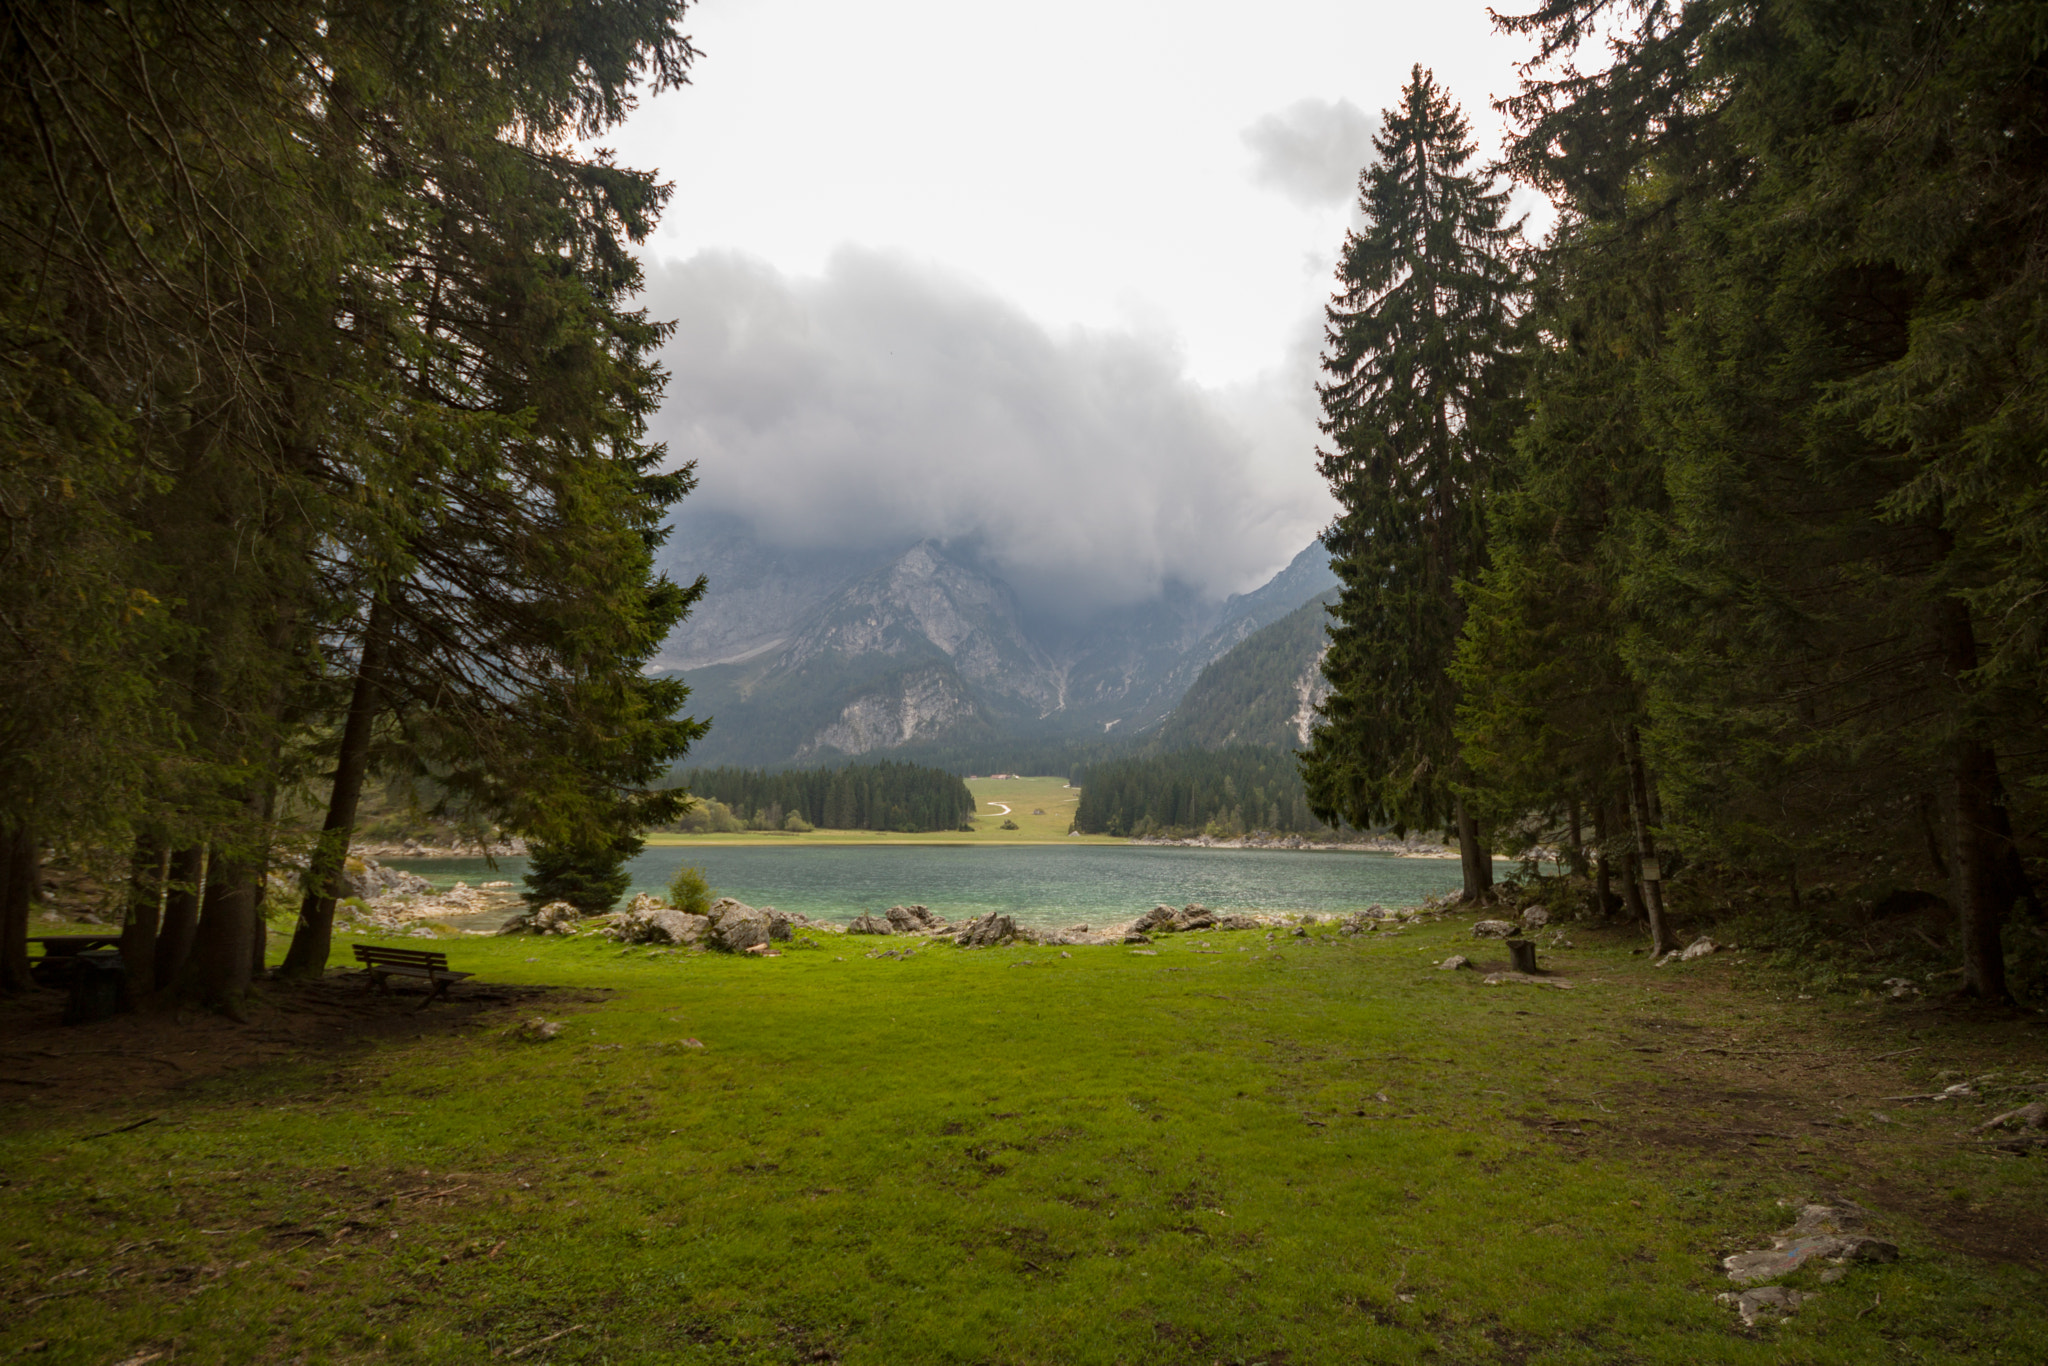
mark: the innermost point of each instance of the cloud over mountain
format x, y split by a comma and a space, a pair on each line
885, 401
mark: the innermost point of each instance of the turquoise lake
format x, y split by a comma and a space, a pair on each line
1041, 885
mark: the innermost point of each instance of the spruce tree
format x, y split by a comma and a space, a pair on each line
1835, 619
1420, 359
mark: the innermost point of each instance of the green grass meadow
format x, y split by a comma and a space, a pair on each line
1266, 1151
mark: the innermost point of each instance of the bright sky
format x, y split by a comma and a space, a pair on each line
1176, 175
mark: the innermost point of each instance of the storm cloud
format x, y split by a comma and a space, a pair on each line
1311, 151
885, 400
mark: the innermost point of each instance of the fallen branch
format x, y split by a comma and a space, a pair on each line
123, 1129
542, 1342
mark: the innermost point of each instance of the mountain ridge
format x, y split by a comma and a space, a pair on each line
926, 644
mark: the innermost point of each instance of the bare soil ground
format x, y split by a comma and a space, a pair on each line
46, 1065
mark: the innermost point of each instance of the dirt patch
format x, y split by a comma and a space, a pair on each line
46, 1065
1808, 1094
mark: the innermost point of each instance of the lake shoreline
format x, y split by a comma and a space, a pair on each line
1044, 886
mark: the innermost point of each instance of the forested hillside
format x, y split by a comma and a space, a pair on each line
879, 796
1226, 792
1261, 693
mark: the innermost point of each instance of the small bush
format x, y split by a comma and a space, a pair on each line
796, 824
690, 891
1008, 825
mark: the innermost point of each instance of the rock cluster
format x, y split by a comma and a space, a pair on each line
1495, 929
739, 928
557, 917
1699, 948
900, 920
369, 879
1193, 916
914, 920
986, 931
647, 921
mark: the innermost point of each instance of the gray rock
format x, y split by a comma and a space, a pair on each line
1135, 937
1234, 922
742, 928
986, 931
1454, 962
1830, 1233
658, 925
1765, 1303
1845, 1217
369, 879
1699, 948
1165, 919
1158, 917
1493, 929
557, 917
870, 924
1535, 917
913, 920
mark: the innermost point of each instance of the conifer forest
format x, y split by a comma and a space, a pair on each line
324, 421
1706, 528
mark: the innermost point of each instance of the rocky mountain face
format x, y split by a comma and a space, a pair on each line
1263, 691
854, 654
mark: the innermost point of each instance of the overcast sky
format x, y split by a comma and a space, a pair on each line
1049, 276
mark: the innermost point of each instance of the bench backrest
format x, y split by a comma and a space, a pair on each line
406, 958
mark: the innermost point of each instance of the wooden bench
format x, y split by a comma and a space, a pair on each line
381, 963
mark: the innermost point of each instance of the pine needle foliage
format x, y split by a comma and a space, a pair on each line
1418, 398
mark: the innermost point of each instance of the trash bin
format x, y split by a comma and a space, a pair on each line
95, 987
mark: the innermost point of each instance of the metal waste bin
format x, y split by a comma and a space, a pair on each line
95, 987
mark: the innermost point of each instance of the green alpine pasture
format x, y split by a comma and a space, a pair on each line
1233, 1149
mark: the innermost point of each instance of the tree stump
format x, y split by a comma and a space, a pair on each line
1523, 952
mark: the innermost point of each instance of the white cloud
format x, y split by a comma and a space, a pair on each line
1312, 151
885, 400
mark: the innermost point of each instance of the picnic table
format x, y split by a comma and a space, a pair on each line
60, 959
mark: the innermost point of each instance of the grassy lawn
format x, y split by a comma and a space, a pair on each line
1286, 1151
1025, 798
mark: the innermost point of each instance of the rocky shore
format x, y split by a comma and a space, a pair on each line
393, 901
735, 927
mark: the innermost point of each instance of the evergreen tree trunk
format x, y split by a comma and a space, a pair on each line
1980, 874
20, 874
1632, 889
1930, 829
1575, 840
1603, 864
181, 914
1983, 889
1474, 859
313, 938
146, 871
1652, 876
217, 971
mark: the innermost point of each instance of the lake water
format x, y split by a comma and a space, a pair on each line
1039, 885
